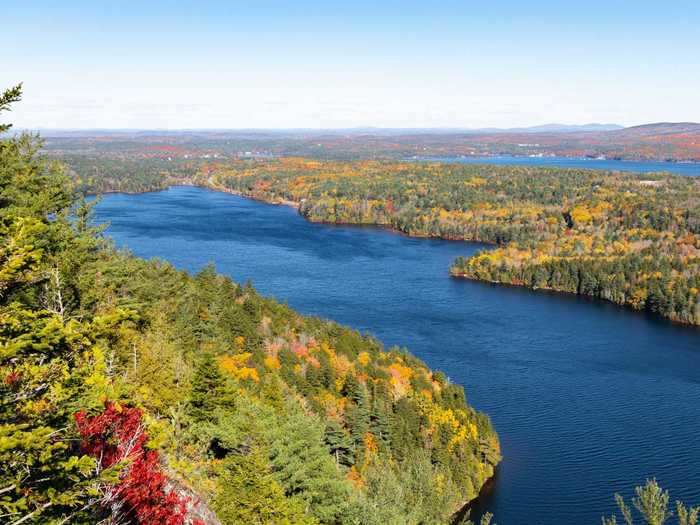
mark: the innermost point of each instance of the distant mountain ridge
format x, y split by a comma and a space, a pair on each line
565, 128
654, 128
660, 128
364, 130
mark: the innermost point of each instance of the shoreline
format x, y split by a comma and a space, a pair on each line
387, 227
462, 507
547, 289
465, 509
456, 275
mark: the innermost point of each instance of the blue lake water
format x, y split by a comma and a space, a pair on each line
679, 168
588, 398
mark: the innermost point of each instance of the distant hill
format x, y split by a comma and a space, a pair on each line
372, 131
566, 128
659, 128
672, 141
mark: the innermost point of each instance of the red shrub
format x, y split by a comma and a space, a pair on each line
140, 496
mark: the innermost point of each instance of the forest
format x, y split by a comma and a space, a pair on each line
627, 238
97, 175
631, 239
134, 393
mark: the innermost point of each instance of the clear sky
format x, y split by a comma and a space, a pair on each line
325, 64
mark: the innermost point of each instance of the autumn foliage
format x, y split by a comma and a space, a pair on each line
626, 238
116, 438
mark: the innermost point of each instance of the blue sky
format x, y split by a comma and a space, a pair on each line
315, 64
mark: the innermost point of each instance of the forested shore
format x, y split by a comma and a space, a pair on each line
630, 239
131, 392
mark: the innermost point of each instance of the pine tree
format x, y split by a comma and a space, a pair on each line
339, 443
358, 417
9, 97
248, 494
303, 466
49, 365
652, 504
380, 422
209, 390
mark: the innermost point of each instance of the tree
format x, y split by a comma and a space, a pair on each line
652, 504
339, 443
303, 466
9, 97
380, 424
41, 475
48, 363
248, 494
209, 391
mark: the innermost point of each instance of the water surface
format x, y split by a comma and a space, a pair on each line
588, 398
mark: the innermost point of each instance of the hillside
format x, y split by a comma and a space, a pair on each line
658, 129
131, 392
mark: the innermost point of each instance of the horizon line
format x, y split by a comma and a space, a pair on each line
536, 127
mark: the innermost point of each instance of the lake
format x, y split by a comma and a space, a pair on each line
691, 169
588, 398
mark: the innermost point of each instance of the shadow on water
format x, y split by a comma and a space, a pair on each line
479, 506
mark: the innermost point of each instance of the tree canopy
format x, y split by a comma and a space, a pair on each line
136, 393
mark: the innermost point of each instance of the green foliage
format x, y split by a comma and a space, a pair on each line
652, 505
339, 444
51, 363
302, 464
207, 386
249, 494
266, 415
8, 97
413, 491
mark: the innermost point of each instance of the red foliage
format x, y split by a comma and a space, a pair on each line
12, 379
116, 435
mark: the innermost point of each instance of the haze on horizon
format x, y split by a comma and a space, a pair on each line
267, 64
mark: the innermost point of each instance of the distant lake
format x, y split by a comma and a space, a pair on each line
691, 169
588, 398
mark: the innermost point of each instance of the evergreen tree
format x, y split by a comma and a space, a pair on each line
302, 464
358, 417
380, 417
49, 364
209, 391
248, 494
339, 443
7, 98
652, 504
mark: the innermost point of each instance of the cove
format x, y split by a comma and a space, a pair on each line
588, 398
